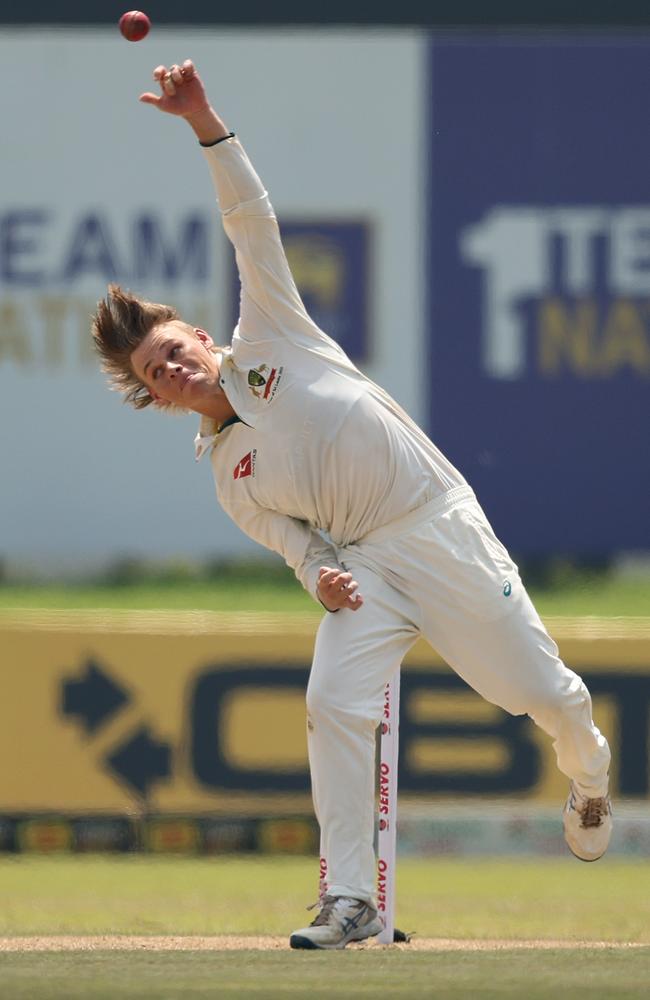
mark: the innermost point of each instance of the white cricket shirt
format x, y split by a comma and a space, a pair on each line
320, 448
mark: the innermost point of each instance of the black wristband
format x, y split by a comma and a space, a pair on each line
330, 611
206, 145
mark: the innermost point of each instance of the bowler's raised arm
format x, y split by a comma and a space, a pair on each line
270, 301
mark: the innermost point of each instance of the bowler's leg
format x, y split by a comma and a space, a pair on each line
477, 614
356, 653
514, 663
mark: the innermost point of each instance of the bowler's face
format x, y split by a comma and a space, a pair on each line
176, 363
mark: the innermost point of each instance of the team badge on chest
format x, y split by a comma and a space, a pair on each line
263, 381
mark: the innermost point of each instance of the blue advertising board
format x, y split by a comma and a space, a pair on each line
539, 278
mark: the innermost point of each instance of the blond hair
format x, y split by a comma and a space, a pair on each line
120, 324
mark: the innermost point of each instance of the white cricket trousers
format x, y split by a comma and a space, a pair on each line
451, 581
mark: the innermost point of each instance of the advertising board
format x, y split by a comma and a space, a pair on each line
107, 189
190, 715
540, 283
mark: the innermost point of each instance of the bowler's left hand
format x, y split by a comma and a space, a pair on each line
336, 589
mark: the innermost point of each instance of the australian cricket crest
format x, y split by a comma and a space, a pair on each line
263, 381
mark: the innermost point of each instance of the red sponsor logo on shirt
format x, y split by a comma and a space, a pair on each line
245, 466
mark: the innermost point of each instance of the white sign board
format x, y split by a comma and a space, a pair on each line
98, 187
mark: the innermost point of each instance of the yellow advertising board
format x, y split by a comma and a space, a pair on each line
185, 713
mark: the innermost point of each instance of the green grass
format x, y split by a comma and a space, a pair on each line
596, 975
606, 597
483, 899
602, 595
479, 898
193, 595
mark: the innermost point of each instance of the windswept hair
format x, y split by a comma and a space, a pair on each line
121, 323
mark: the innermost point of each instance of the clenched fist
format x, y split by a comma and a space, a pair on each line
336, 589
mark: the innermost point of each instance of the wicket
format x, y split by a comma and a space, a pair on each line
387, 827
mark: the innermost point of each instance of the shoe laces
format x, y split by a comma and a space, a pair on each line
327, 904
593, 812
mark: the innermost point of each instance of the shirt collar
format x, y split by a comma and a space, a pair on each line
206, 438
209, 431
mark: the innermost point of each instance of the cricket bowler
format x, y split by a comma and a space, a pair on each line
316, 462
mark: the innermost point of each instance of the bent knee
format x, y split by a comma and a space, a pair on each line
568, 697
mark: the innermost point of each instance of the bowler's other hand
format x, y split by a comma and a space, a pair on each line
336, 589
182, 91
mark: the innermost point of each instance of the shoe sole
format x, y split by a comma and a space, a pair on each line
579, 857
587, 861
298, 941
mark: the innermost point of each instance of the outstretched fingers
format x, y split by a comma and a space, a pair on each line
169, 80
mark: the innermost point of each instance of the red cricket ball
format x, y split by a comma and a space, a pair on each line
134, 25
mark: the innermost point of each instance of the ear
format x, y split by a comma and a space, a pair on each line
204, 337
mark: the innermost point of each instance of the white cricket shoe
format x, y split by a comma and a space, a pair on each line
341, 919
587, 825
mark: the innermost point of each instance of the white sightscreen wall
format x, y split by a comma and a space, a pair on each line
93, 181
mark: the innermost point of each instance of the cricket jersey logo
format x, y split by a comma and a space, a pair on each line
246, 466
263, 382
